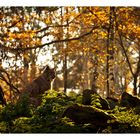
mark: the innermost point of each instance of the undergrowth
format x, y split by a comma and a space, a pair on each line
21, 117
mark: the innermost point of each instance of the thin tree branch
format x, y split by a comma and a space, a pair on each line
49, 43
8, 82
127, 59
15, 23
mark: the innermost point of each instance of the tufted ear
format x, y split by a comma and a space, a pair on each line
46, 68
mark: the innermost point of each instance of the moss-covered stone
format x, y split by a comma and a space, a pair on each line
112, 102
86, 98
82, 114
21, 125
129, 100
99, 102
94, 99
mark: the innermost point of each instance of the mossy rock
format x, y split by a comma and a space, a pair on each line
21, 125
99, 102
128, 100
118, 127
112, 102
3, 127
82, 114
94, 99
86, 96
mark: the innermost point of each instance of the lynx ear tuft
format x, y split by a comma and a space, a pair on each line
47, 67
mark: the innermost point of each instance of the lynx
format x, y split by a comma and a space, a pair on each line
40, 85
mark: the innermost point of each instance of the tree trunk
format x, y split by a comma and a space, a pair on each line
65, 56
33, 65
95, 75
136, 74
135, 85
139, 87
65, 72
26, 67
110, 52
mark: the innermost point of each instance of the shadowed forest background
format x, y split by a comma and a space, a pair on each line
69, 69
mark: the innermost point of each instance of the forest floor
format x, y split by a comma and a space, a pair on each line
59, 113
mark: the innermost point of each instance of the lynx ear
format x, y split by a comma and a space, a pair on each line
47, 67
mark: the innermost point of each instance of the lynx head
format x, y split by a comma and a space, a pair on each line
49, 72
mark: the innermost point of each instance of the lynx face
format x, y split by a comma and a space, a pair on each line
49, 71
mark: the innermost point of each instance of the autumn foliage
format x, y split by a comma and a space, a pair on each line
94, 48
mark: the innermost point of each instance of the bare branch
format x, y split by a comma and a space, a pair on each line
8, 82
64, 25
15, 23
125, 53
49, 43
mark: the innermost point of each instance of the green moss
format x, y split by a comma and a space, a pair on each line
82, 114
3, 127
99, 102
61, 114
21, 125
127, 120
